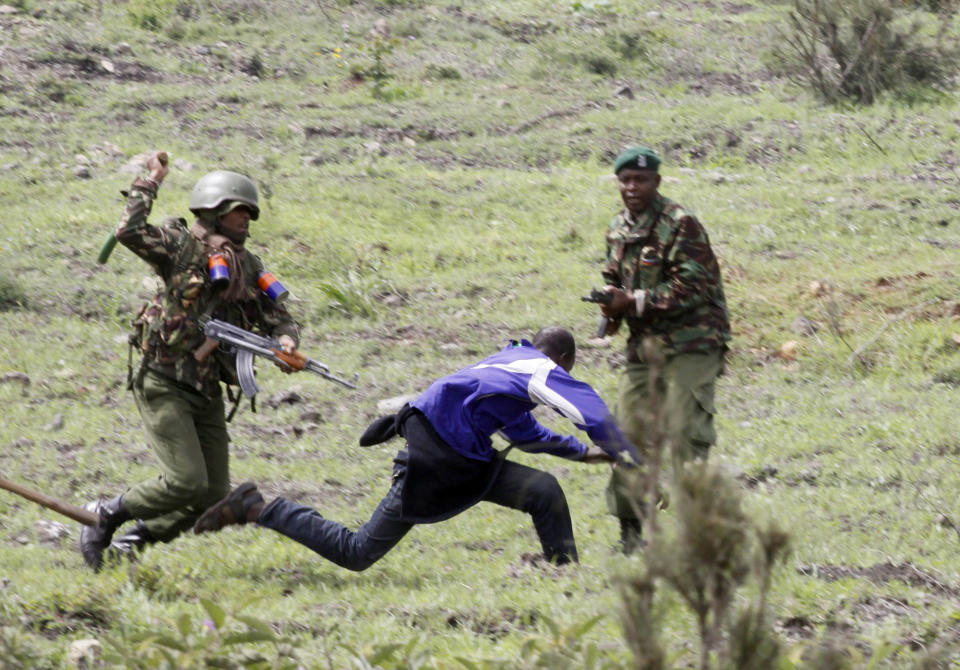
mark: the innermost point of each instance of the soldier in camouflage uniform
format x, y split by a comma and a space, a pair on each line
179, 397
663, 279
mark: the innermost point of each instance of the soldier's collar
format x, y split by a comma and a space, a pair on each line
647, 216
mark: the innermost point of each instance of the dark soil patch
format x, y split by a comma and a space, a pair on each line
493, 626
797, 628
881, 573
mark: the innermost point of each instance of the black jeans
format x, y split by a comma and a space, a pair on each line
516, 486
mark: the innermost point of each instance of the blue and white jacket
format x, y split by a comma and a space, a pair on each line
498, 395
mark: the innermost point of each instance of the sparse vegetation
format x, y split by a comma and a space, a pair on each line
421, 224
857, 50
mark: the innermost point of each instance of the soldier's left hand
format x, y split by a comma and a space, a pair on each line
620, 303
287, 346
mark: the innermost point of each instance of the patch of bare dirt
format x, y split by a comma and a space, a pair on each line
496, 626
881, 573
330, 491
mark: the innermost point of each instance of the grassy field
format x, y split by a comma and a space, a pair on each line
436, 179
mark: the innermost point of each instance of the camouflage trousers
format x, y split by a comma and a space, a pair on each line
188, 434
685, 393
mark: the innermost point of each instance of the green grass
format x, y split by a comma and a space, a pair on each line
478, 216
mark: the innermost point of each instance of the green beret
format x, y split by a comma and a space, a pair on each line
639, 158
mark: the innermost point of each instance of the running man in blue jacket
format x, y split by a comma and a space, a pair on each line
449, 463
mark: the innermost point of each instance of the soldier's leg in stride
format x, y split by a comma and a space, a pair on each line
625, 491
188, 435
689, 408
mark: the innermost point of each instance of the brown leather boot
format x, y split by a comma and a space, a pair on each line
241, 505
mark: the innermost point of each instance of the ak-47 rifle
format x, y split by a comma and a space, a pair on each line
246, 345
602, 298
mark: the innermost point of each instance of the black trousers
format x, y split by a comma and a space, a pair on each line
511, 485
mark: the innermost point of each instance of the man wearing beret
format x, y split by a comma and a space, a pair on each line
664, 281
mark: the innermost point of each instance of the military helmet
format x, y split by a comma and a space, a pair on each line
222, 186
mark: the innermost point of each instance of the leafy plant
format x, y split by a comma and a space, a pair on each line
379, 48
12, 295
434, 71
213, 642
19, 652
151, 15
353, 293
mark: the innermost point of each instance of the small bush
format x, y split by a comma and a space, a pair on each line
858, 49
12, 295
151, 15
601, 65
441, 72
213, 642
18, 651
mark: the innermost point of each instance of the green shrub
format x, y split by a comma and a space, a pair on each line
12, 295
151, 15
18, 651
856, 50
441, 72
214, 642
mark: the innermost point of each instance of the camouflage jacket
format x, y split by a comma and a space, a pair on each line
666, 252
168, 329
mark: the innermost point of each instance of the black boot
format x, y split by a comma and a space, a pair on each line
95, 539
631, 536
130, 543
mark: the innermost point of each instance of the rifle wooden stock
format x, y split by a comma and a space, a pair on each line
85, 517
296, 360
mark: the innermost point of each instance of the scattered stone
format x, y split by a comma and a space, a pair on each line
107, 66
51, 532
409, 141
137, 164
763, 231
375, 149
624, 92
15, 377
818, 289
122, 49
183, 165
7, 9
788, 350
311, 416
284, 397
804, 326
82, 172
84, 654
599, 342
380, 30
111, 150
393, 405
56, 424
